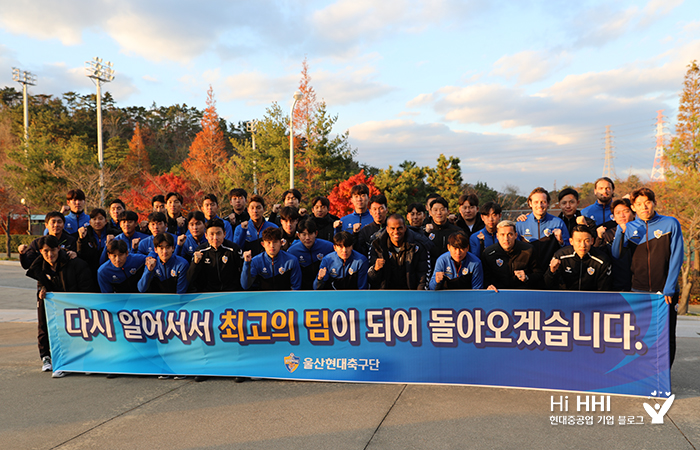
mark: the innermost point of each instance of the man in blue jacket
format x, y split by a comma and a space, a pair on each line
309, 250
344, 268
457, 269
353, 222
123, 270
656, 244
601, 210
165, 272
272, 270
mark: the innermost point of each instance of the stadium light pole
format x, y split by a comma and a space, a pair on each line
252, 128
100, 72
24, 78
297, 97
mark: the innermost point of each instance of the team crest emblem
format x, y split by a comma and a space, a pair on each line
173, 273
48, 276
590, 271
281, 270
319, 256
224, 259
465, 271
350, 271
133, 271
158, 272
547, 232
431, 236
499, 262
657, 234
291, 362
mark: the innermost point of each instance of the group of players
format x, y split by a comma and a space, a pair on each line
600, 248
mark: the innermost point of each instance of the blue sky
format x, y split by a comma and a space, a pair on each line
520, 91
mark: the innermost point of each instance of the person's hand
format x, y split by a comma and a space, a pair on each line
71, 254
321, 273
82, 232
42, 293
581, 220
554, 265
135, 243
429, 227
557, 236
439, 276
197, 257
303, 212
181, 221
337, 224
181, 240
65, 210
601, 231
248, 256
276, 208
452, 218
521, 218
22, 249
520, 275
110, 238
669, 299
232, 219
143, 224
150, 263
244, 225
492, 288
356, 227
480, 236
379, 263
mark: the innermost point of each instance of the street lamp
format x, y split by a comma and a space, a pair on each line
99, 72
297, 97
24, 78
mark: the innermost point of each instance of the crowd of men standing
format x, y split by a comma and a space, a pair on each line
603, 247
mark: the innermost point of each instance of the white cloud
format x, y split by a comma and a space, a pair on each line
530, 66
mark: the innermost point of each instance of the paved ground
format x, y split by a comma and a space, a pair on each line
87, 412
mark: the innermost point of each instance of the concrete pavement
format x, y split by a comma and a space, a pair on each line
87, 412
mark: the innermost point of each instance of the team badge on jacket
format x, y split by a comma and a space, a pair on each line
173, 273
658, 233
224, 259
590, 271
547, 232
319, 256
281, 270
465, 271
499, 262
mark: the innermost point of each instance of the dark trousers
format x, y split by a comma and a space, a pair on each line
43, 334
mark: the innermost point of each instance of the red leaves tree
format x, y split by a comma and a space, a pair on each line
340, 195
139, 199
208, 150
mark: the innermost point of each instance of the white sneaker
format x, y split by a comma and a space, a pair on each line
58, 374
46, 364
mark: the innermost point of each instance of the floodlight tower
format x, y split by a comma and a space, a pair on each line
24, 78
99, 72
252, 127
657, 170
608, 167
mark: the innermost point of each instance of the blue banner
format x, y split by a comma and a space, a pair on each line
594, 342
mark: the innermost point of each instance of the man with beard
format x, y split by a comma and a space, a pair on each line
601, 210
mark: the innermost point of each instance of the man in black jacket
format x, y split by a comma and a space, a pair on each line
579, 266
55, 271
216, 265
439, 228
398, 260
511, 263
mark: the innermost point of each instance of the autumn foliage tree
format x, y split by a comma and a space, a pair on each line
139, 199
682, 160
137, 162
208, 150
340, 195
